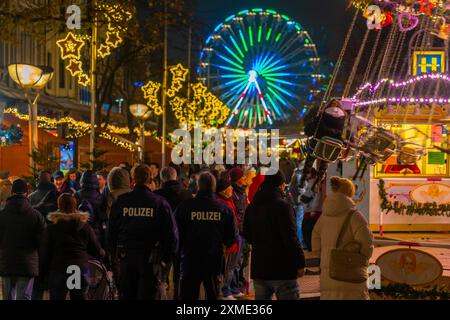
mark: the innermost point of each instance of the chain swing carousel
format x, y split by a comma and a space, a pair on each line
397, 129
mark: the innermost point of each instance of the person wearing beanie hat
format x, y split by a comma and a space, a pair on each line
336, 209
230, 287
277, 256
92, 201
21, 229
61, 185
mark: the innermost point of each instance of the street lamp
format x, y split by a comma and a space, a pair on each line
32, 79
141, 112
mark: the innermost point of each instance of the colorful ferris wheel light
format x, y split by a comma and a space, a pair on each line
260, 65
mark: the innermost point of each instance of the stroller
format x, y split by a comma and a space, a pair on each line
101, 283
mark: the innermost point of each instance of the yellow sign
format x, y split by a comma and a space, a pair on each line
428, 62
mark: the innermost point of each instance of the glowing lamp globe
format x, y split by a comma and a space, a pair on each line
140, 111
29, 76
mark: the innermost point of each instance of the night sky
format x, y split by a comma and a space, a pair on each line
327, 21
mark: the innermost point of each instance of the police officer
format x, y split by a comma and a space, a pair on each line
143, 234
205, 226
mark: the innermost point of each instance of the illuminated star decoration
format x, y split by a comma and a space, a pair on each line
83, 80
150, 91
104, 51
179, 74
74, 67
117, 17
70, 46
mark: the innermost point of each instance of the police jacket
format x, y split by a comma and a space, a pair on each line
141, 221
205, 226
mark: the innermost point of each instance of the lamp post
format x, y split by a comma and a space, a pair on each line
32, 79
141, 112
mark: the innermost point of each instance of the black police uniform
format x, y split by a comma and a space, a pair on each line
205, 225
143, 232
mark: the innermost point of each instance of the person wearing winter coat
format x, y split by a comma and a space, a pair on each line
73, 180
224, 192
205, 226
21, 229
175, 193
143, 234
68, 241
90, 200
338, 204
171, 189
239, 184
44, 198
277, 256
119, 182
61, 185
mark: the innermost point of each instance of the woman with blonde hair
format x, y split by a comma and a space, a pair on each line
335, 217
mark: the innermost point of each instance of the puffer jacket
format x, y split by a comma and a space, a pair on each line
325, 234
69, 240
21, 229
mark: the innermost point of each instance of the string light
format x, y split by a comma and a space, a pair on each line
399, 84
151, 94
179, 74
409, 100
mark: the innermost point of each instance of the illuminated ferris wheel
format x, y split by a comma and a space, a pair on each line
262, 65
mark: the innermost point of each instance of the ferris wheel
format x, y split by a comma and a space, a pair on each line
262, 65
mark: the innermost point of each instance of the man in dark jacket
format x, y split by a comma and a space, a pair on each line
44, 198
174, 192
205, 226
90, 200
21, 229
143, 233
277, 256
171, 189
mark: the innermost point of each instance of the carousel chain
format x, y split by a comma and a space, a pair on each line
349, 83
341, 57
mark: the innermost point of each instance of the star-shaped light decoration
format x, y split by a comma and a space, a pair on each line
70, 46
113, 39
151, 89
83, 79
170, 93
104, 51
199, 90
74, 67
179, 72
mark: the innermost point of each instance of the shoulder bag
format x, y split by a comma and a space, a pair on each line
346, 265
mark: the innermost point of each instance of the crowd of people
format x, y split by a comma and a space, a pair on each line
163, 232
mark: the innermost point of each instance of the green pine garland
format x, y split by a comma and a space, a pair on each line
421, 209
404, 291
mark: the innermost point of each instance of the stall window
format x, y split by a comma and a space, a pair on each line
433, 163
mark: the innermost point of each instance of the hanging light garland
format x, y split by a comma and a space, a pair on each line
374, 87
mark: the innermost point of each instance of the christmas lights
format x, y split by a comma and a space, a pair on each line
392, 83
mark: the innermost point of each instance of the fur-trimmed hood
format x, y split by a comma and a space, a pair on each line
57, 216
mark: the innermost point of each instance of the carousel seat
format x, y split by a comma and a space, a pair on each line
378, 146
328, 149
409, 155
